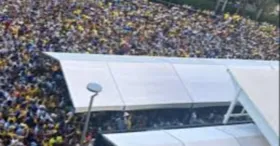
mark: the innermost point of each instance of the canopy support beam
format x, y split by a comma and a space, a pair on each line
230, 113
231, 108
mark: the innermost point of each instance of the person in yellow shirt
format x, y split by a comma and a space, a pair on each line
77, 12
59, 139
2, 62
226, 16
236, 17
12, 118
85, 16
129, 24
101, 4
81, 28
103, 39
123, 42
52, 141
28, 98
129, 123
115, 13
15, 30
23, 112
55, 139
32, 91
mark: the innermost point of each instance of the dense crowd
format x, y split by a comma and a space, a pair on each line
34, 105
111, 122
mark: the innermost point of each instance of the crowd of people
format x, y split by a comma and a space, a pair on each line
112, 122
35, 108
159, 119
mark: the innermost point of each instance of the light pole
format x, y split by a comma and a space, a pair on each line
95, 88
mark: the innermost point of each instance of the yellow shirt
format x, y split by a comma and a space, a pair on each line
12, 118
95, 32
2, 62
129, 124
123, 42
23, 113
147, 13
85, 16
17, 107
52, 141
28, 98
103, 39
129, 24
186, 55
59, 139
56, 126
45, 41
80, 28
77, 12
100, 4
34, 91
115, 13
3, 133
236, 17
226, 16
26, 57
11, 134
15, 30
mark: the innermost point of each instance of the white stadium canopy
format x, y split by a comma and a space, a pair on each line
209, 136
151, 138
245, 134
140, 82
233, 135
259, 95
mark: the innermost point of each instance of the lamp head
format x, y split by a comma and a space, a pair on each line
94, 87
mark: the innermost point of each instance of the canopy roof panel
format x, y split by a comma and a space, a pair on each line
260, 98
233, 135
246, 134
149, 85
151, 138
79, 74
209, 136
207, 83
